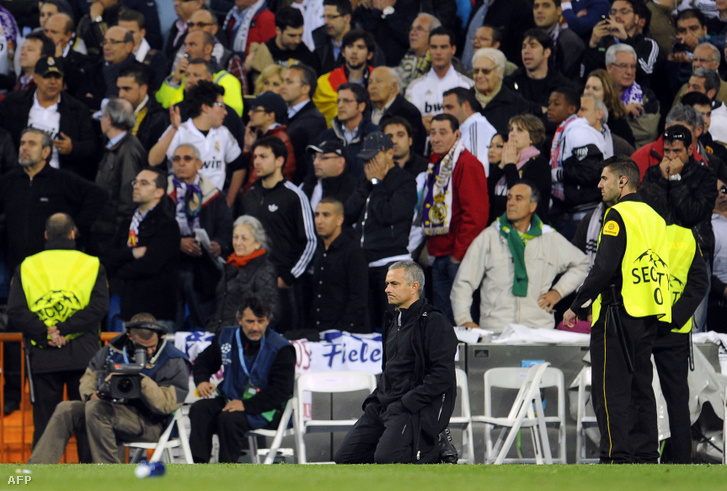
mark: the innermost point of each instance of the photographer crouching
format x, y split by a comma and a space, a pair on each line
128, 392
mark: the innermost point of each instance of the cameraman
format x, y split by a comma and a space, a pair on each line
105, 422
259, 367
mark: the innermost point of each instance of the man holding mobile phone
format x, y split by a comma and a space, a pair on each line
627, 21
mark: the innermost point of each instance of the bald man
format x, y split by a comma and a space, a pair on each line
59, 28
118, 53
386, 101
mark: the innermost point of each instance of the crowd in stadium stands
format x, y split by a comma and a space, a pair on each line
297, 148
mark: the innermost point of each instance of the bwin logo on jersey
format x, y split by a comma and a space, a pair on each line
273, 208
581, 152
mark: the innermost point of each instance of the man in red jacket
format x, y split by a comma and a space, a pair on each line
454, 206
653, 153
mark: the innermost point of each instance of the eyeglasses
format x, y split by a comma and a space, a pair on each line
186, 158
256, 110
199, 24
723, 190
112, 42
483, 71
625, 66
219, 104
622, 11
142, 182
418, 28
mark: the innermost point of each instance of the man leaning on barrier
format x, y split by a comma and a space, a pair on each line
130, 388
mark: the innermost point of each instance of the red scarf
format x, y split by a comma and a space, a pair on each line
241, 261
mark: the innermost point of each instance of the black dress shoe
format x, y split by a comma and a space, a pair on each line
10, 407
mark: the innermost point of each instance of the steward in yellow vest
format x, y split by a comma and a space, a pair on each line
689, 283
57, 299
628, 288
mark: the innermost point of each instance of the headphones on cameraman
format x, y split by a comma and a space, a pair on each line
152, 326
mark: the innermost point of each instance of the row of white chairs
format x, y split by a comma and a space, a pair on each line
526, 413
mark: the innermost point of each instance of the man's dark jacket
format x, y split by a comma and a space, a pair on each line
27, 204
339, 187
303, 129
154, 124
150, 282
118, 168
690, 200
75, 122
418, 372
340, 279
537, 91
335, 132
505, 105
383, 213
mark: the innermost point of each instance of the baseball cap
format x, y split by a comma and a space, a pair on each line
49, 64
271, 102
374, 143
328, 146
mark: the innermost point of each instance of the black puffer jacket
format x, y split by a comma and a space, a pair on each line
690, 200
383, 214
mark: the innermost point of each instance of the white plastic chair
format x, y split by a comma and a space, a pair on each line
162, 447
526, 412
328, 383
464, 420
584, 420
277, 435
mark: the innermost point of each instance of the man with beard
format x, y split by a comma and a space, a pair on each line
628, 291
29, 194
357, 52
285, 213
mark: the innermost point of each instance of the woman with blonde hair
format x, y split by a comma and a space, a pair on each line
270, 79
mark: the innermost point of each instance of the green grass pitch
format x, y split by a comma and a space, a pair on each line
225, 477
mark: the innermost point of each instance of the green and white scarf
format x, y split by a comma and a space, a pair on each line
517, 242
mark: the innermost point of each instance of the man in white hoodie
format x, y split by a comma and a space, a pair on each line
575, 157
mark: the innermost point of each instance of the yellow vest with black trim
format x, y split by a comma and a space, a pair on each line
682, 248
644, 267
58, 283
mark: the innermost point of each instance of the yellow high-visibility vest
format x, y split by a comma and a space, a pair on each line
58, 283
682, 248
644, 268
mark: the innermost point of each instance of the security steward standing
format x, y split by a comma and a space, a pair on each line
628, 291
672, 348
57, 300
